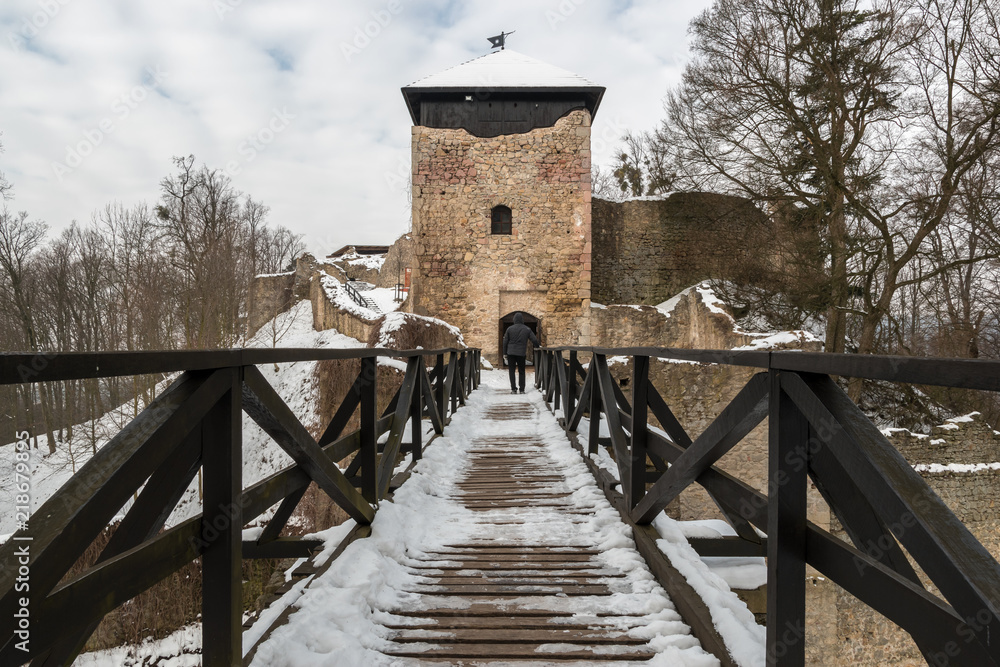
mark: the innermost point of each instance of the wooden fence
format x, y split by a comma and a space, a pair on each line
815, 433
196, 423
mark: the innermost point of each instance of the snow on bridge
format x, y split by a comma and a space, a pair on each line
499, 547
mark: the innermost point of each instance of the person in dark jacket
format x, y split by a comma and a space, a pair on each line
515, 346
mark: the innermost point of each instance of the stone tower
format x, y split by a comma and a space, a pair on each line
501, 198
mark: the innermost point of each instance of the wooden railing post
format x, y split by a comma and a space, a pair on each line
559, 375
571, 389
222, 530
788, 433
439, 389
369, 427
594, 434
637, 470
417, 414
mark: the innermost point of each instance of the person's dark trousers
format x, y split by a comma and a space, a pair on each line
518, 361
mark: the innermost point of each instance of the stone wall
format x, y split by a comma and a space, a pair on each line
397, 260
269, 296
328, 316
689, 324
647, 250
471, 278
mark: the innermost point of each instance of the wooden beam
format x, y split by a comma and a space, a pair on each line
388, 460
264, 406
963, 570
68, 522
786, 531
636, 483
222, 530
738, 418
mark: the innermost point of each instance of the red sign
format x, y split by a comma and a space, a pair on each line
406, 279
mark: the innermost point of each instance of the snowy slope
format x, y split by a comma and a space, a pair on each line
294, 382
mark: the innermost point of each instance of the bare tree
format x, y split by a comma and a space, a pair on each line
20, 238
866, 117
5, 186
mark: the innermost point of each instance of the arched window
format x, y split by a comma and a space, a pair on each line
501, 220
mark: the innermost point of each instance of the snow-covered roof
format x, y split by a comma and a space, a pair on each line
504, 69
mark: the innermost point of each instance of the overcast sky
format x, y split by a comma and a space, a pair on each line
297, 99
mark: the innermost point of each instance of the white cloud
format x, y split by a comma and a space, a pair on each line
229, 65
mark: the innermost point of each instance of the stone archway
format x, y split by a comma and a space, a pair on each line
530, 321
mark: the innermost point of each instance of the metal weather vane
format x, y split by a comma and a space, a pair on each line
500, 40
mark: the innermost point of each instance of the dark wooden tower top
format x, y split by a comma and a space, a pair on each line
503, 92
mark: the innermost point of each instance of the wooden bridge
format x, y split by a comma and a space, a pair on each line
542, 554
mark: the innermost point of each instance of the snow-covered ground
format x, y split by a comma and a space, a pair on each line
294, 382
384, 298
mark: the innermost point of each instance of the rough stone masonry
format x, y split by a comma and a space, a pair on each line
470, 277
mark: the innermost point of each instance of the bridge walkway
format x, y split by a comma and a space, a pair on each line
513, 555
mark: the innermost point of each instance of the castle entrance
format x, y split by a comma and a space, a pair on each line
505, 323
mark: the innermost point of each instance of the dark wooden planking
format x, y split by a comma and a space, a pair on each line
572, 389
144, 519
859, 519
222, 528
367, 457
934, 626
428, 393
963, 570
666, 417
281, 516
788, 434
605, 384
417, 413
738, 418
659, 452
282, 547
728, 546
594, 427
69, 521
635, 487
405, 394
266, 408
344, 412
903, 603
962, 373
20, 367
582, 405
91, 595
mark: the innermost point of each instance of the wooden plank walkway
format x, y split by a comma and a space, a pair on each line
537, 568
528, 598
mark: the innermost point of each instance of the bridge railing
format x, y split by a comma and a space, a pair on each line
196, 423
815, 433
